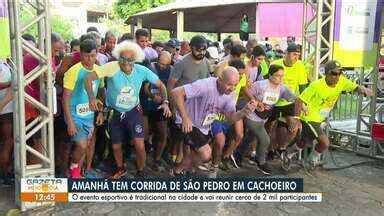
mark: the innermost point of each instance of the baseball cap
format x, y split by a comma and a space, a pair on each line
173, 42
213, 53
331, 66
198, 41
292, 47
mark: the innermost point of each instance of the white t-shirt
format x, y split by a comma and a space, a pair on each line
5, 76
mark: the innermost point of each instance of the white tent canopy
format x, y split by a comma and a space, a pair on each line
218, 16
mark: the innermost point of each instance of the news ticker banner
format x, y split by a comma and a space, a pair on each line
166, 190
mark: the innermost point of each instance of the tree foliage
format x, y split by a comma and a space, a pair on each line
126, 8
63, 27
59, 24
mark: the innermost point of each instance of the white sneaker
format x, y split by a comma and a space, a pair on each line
314, 160
233, 161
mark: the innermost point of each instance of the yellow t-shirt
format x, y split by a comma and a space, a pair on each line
107, 70
294, 76
320, 98
72, 75
242, 84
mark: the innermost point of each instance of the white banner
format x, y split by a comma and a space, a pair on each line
357, 24
194, 197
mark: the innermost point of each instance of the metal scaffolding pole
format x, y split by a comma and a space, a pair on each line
318, 42
372, 105
44, 122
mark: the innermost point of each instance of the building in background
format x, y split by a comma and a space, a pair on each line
83, 13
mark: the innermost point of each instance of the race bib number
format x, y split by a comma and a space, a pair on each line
208, 120
125, 101
325, 112
270, 97
83, 110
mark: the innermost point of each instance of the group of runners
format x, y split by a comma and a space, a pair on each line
190, 107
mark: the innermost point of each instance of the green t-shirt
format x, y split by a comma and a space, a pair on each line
320, 98
244, 26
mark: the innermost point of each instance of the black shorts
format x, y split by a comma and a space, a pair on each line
196, 139
282, 111
156, 116
126, 124
311, 130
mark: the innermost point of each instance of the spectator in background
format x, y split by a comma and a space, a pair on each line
278, 51
227, 44
33, 89
75, 45
217, 45
6, 122
237, 52
101, 58
110, 42
254, 64
184, 48
158, 46
126, 36
213, 57
142, 37
153, 115
251, 44
92, 28
30, 39
102, 48
173, 46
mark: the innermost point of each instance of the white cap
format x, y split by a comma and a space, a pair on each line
213, 52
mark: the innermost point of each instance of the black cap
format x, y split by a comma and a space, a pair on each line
292, 47
198, 41
332, 66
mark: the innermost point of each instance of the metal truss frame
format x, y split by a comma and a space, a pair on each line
44, 122
371, 110
318, 43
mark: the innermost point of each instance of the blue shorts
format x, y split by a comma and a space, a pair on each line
84, 130
220, 127
126, 124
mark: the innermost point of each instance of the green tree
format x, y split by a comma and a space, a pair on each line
59, 24
63, 27
126, 8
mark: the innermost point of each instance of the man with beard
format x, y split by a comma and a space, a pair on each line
192, 67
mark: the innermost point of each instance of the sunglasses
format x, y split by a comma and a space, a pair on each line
335, 73
126, 60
